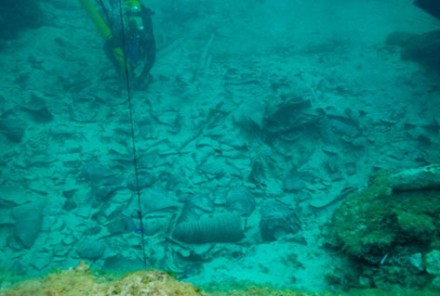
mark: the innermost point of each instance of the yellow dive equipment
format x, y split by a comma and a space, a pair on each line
104, 30
133, 5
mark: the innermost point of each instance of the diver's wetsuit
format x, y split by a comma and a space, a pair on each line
138, 45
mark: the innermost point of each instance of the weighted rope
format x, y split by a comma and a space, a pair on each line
128, 86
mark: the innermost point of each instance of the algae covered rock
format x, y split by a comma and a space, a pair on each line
416, 179
432, 261
384, 229
80, 281
360, 224
373, 222
29, 220
90, 249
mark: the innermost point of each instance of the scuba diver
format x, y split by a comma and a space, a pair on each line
127, 29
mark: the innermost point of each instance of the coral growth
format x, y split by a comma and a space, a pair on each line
388, 233
81, 282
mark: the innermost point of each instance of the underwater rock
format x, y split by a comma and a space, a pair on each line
213, 168
219, 228
277, 220
155, 224
416, 260
250, 116
12, 128
293, 183
95, 172
386, 231
399, 38
90, 249
348, 227
120, 225
419, 48
158, 200
432, 261
85, 109
194, 206
13, 194
329, 199
430, 6
240, 200
18, 16
344, 126
151, 160
41, 261
145, 180
121, 263
69, 205
350, 168
427, 177
288, 119
5, 217
102, 194
37, 108
82, 281
28, 222
357, 142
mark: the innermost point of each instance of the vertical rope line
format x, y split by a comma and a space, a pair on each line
133, 142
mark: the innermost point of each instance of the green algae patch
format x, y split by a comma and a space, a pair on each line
363, 221
80, 281
387, 233
376, 220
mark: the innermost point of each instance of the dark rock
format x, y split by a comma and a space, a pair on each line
422, 49
92, 230
84, 109
41, 261
69, 205
277, 220
104, 194
122, 263
18, 15
37, 108
430, 6
29, 219
120, 225
13, 195
293, 183
158, 200
399, 38
94, 172
145, 180
90, 249
12, 128
241, 200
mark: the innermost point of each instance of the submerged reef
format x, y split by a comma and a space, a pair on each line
390, 233
80, 281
